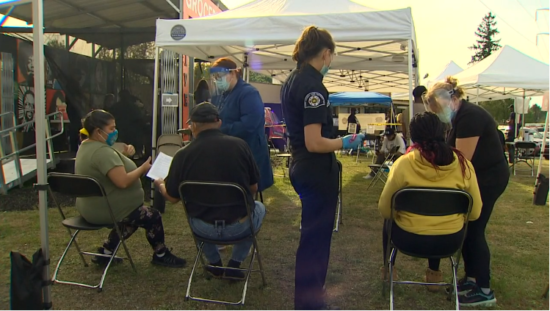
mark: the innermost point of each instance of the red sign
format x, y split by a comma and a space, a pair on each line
199, 8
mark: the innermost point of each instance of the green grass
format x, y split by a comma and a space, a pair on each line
519, 257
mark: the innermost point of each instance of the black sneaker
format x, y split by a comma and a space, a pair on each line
216, 272
103, 261
234, 274
465, 286
476, 298
168, 260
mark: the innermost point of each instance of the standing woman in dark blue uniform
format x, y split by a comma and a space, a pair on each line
314, 170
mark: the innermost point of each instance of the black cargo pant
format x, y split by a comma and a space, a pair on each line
316, 182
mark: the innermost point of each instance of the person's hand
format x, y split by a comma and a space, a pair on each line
129, 150
146, 166
352, 141
158, 183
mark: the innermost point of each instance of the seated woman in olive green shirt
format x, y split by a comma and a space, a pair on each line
121, 179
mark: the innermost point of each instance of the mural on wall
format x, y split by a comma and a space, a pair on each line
25, 107
55, 101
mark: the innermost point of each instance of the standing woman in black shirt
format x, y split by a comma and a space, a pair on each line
474, 132
314, 170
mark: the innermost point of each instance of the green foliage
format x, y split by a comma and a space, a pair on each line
485, 43
56, 44
500, 110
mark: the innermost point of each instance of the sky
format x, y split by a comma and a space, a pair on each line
445, 28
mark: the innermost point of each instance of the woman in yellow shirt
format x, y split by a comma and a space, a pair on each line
430, 163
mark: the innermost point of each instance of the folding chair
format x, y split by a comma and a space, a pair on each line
525, 152
83, 186
235, 195
427, 202
382, 169
339, 219
170, 139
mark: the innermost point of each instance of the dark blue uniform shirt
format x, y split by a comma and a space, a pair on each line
305, 101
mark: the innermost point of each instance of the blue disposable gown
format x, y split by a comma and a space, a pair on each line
242, 113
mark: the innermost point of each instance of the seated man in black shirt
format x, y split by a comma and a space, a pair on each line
216, 157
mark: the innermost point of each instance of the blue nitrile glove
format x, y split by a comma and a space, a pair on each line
352, 141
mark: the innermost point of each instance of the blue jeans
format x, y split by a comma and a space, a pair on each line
234, 231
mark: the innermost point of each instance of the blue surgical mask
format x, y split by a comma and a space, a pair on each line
446, 115
222, 84
325, 69
111, 137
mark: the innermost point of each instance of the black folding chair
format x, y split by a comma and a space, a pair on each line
81, 186
339, 218
435, 202
234, 195
525, 152
381, 174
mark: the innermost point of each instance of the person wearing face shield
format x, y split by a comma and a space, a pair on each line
242, 111
314, 170
474, 132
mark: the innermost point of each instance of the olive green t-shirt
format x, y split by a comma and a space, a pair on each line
96, 159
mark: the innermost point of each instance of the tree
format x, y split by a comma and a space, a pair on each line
485, 43
56, 44
499, 109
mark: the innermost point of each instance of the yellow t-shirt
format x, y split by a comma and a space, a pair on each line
96, 159
412, 170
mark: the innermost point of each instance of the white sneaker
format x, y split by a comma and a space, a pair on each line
368, 177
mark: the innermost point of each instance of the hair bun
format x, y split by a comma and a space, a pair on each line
452, 81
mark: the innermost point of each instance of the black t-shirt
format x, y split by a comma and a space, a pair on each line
488, 159
305, 101
215, 157
353, 119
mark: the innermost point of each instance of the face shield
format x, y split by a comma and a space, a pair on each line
219, 80
441, 103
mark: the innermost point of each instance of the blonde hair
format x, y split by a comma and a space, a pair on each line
442, 90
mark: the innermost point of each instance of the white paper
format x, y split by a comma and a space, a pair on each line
161, 167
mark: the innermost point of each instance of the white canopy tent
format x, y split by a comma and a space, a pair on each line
450, 69
505, 74
375, 49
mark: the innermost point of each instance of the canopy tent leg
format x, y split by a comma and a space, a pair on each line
40, 130
155, 112
410, 65
543, 146
477, 94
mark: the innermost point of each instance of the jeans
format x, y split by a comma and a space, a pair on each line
230, 232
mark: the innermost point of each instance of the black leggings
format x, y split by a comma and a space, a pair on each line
143, 217
429, 245
476, 254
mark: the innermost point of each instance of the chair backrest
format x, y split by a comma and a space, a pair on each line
525, 145
170, 139
169, 149
432, 201
75, 185
215, 195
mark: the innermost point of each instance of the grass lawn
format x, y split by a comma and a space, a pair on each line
517, 233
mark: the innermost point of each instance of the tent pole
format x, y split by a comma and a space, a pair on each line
543, 146
40, 130
477, 94
409, 57
155, 111
523, 114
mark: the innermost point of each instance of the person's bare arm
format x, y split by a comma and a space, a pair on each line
467, 146
318, 144
122, 179
161, 186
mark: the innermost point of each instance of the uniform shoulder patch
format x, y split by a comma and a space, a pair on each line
314, 100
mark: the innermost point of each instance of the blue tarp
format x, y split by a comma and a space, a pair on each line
359, 99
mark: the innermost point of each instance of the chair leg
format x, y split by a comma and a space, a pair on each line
454, 266
73, 237
390, 277
100, 287
78, 249
260, 264
199, 254
123, 241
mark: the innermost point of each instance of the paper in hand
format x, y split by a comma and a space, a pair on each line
161, 167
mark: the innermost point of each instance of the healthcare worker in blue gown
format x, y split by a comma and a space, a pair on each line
242, 113
314, 170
